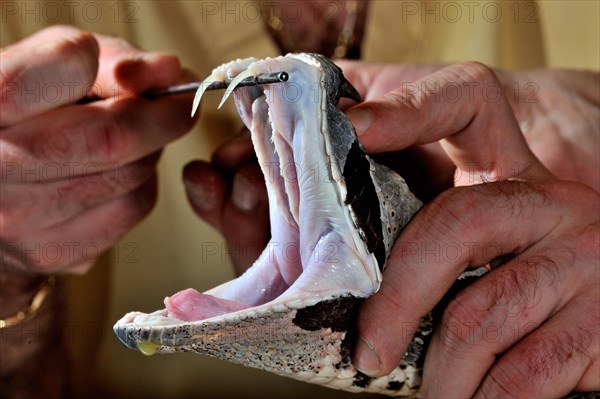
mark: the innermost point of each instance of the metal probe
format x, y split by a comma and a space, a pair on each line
264, 79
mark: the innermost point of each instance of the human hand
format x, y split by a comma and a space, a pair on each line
229, 193
530, 326
558, 112
75, 177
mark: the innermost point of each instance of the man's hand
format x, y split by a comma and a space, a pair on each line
75, 177
557, 111
529, 327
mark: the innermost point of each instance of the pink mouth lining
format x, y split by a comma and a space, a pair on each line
191, 305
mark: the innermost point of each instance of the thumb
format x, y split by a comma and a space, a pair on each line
464, 107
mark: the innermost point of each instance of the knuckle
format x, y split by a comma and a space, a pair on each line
53, 144
538, 359
499, 300
527, 282
118, 181
516, 200
111, 140
131, 176
407, 97
86, 191
389, 297
456, 212
477, 71
507, 380
546, 357
12, 105
410, 99
83, 47
516, 288
462, 318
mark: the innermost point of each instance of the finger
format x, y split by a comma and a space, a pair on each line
245, 217
50, 69
490, 220
206, 190
554, 360
83, 238
242, 215
486, 319
33, 207
375, 79
235, 152
463, 104
102, 135
126, 71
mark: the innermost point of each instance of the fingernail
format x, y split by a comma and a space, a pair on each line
243, 194
367, 361
361, 119
203, 198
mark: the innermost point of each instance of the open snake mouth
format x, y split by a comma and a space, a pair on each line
334, 216
316, 251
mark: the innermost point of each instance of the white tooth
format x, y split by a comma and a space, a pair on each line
205, 83
245, 74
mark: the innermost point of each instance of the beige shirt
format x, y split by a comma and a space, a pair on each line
172, 249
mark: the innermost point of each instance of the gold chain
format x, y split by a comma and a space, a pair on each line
36, 303
345, 37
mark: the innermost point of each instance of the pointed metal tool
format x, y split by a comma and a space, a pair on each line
263, 79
